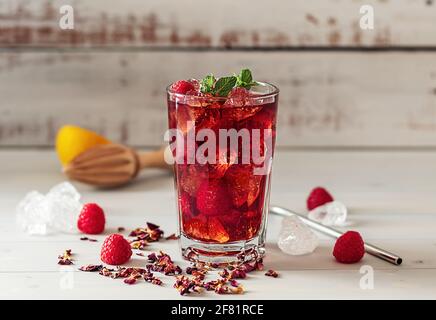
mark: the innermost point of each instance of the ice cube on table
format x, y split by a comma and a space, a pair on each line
33, 214
330, 214
296, 238
64, 212
64, 190
57, 211
64, 208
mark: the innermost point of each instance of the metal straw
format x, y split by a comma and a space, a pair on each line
369, 248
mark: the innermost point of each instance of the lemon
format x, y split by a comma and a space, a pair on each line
72, 141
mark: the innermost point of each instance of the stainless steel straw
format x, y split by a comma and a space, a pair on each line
369, 248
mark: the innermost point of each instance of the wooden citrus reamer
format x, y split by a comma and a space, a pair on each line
112, 165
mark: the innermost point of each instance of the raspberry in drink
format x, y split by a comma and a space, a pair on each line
223, 141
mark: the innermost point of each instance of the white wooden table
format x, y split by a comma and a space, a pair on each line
391, 196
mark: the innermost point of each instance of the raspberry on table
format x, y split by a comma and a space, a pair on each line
349, 248
317, 197
115, 250
91, 219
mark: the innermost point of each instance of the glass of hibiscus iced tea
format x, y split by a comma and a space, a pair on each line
222, 135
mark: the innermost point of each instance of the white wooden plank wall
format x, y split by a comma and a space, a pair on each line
340, 86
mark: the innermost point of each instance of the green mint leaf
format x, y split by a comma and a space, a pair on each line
245, 79
224, 85
207, 83
245, 76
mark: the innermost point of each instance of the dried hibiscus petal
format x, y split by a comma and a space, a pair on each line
152, 257
272, 273
220, 287
91, 268
238, 274
163, 263
148, 277
186, 285
138, 244
88, 239
133, 278
234, 283
150, 233
152, 226
65, 259
172, 237
106, 272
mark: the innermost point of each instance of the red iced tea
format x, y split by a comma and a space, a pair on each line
223, 201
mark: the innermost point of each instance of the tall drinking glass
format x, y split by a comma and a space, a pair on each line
223, 149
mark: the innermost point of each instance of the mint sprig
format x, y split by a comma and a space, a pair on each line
224, 85
245, 79
207, 84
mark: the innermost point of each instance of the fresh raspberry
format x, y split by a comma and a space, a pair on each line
91, 219
115, 250
182, 86
318, 197
349, 248
213, 198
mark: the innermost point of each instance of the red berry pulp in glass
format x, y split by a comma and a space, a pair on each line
221, 202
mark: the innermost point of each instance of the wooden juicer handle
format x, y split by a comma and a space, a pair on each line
113, 165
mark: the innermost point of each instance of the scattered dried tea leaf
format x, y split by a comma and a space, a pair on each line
88, 239
163, 263
148, 277
138, 244
106, 272
186, 285
65, 259
193, 282
234, 283
133, 277
172, 237
272, 273
129, 274
220, 286
121, 229
150, 233
91, 268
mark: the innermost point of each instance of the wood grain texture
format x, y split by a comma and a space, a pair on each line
223, 24
390, 196
327, 99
